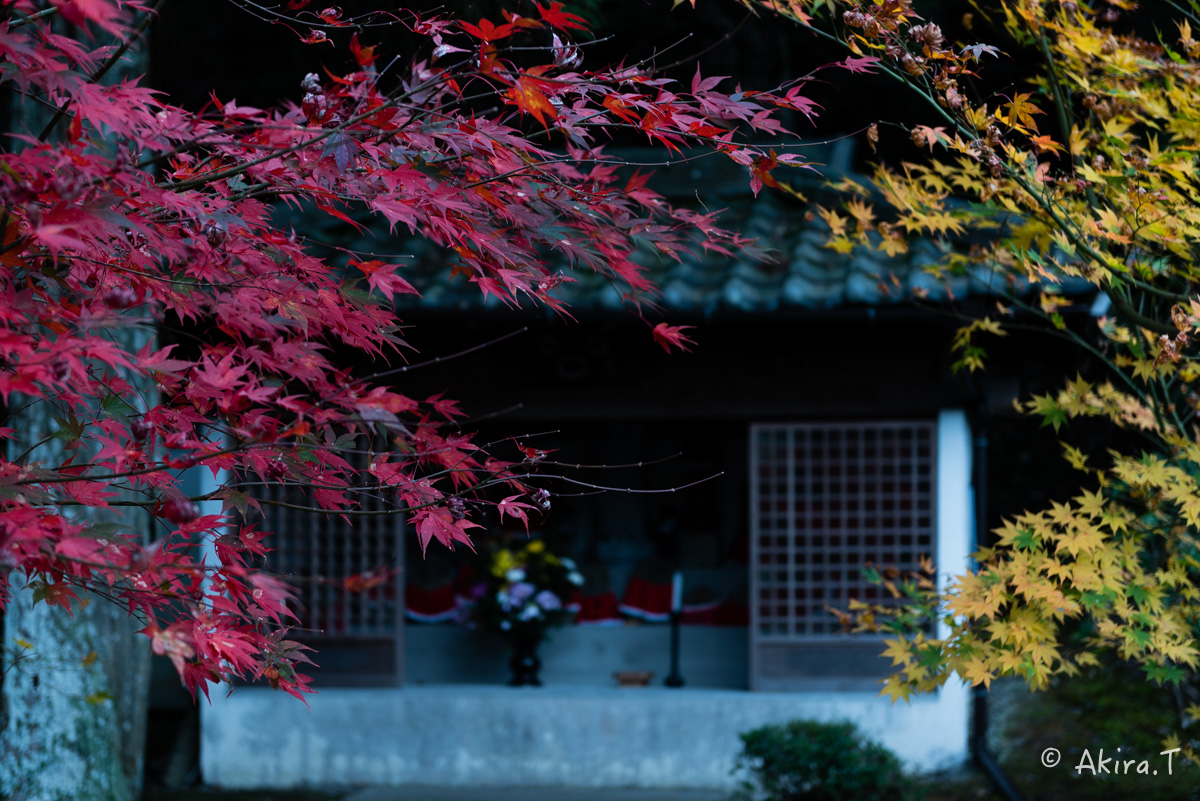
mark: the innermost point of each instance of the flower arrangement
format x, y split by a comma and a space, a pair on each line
522, 592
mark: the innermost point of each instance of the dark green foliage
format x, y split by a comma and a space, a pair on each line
1102, 710
805, 760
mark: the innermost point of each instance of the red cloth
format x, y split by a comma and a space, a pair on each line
647, 600
430, 604
700, 614
596, 609
717, 613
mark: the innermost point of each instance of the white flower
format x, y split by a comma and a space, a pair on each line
505, 625
569, 564
530, 612
516, 574
576, 578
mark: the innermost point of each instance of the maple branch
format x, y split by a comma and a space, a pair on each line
1188, 12
1165, 294
274, 16
482, 485
550, 48
1065, 223
25, 453
695, 57
53, 502
223, 135
552, 179
25, 19
627, 490
113, 597
112, 61
1168, 407
344, 127
885, 69
464, 494
230, 172
643, 463
1060, 105
458, 424
438, 359
395, 510
127, 474
1085, 345
358, 490
1080, 241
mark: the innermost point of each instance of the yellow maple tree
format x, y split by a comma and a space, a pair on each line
1084, 177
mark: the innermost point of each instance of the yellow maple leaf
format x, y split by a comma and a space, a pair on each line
1074, 456
896, 689
1021, 111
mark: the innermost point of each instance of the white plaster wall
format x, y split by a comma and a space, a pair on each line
497, 736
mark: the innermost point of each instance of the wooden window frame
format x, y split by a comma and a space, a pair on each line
816, 518
358, 636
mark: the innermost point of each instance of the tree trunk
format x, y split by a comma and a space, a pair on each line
74, 691
72, 703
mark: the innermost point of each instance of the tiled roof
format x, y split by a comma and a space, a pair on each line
800, 272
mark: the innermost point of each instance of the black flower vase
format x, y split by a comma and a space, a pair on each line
525, 663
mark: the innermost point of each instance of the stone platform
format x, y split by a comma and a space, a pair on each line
496, 736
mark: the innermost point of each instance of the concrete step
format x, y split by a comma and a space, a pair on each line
416, 792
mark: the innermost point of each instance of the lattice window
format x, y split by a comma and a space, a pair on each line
826, 500
358, 635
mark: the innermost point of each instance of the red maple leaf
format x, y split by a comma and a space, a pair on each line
96, 240
175, 642
159, 361
83, 549
621, 106
332, 15
561, 19
270, 597
438, 523
369, 579
382, 276
365, 56
863, 64
926, 135
527, 95
513, 508
239, 649
102, 12
221, 375
486, 31
55, 593
198, 675
445, 407
672, 336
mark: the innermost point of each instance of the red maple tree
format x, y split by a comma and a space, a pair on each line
127, 210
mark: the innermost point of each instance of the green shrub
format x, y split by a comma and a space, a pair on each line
805, 760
